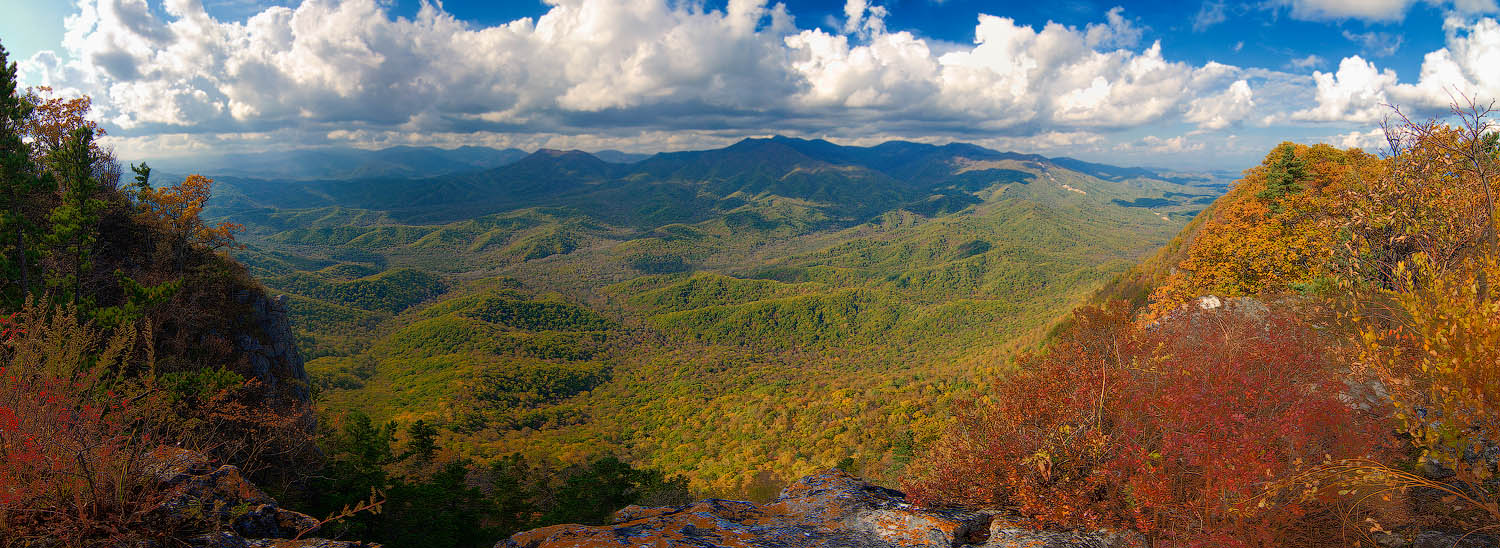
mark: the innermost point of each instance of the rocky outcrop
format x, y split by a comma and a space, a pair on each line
215, 507
832, 509
1439, 539
270, 345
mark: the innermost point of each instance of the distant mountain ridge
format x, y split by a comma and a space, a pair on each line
848, 182
900, 159
343, 163
331, 163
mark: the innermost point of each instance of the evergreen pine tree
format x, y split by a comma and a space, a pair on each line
21, 184
1283, 173
514, 493
74, 223
422, 443
142, 177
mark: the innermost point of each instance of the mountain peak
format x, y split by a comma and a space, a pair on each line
568, 159
557, 153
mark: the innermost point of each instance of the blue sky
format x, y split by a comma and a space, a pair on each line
1190, 83
1272, 36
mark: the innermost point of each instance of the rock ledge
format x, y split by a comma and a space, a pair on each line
832, 509
226, 509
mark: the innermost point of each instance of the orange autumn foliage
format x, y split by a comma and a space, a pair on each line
177, 210
54, 118
1402, 247
1256, 243
1429, 201
1435, 350
1427, 317
76, 429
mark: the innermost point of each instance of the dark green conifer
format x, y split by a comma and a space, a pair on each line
142, 177
74, 223
21, 185
1283, 174
423, 441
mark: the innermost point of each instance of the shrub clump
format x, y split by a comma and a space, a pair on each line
1176, 430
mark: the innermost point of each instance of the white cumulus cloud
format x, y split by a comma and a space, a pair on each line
1224, 109
635, 74
1116, 32
1358, 90
1168, 145
1370, 140
1376, 10
627, 66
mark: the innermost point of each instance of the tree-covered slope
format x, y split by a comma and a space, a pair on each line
673, 309
1310, 362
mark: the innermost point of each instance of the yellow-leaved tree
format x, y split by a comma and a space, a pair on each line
177, 211
1417, 253
1275, 231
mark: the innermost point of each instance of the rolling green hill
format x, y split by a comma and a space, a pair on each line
738, 315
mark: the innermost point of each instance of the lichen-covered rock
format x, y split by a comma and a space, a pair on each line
270, 345
1438, 539
271, 521
831, 509
228, 510
1004, 534
230, 540
195, 495
837, 500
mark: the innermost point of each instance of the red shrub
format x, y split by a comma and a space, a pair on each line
8, 327
1173, 430
70, 443
69, 467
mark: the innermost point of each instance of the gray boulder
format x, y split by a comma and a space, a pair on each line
231, 512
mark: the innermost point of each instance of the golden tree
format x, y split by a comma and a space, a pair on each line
177, 211
54, 118
1275, 231
1418, 257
